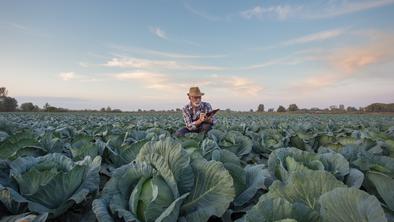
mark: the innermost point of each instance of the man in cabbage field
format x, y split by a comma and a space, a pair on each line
196, 114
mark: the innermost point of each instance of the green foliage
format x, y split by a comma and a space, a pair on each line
250, 167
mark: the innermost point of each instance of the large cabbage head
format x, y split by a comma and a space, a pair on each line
163, 184
49, 184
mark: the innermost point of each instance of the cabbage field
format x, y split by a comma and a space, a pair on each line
249, 167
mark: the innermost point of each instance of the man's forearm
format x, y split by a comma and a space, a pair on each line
209, 120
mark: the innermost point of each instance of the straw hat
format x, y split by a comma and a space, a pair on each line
195, 91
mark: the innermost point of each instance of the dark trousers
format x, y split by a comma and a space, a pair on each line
203, 128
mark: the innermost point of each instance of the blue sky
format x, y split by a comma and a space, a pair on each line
146, 54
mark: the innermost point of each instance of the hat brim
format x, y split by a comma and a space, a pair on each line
201, 94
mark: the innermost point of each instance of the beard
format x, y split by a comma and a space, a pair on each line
196, 104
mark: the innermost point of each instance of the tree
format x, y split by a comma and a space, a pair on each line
351, 109
46, 106
27, 107
281, 109
108, 109
260, 108
8, 104
102, 109
51, 109
293, 107
271, 110
333, 107
3, 92
380, 107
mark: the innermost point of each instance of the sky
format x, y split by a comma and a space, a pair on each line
146, 54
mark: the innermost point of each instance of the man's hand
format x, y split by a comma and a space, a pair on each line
203, 118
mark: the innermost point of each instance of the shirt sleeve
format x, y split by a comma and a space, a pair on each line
214, 120
187, 117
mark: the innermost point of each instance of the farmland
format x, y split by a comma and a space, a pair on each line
249, 167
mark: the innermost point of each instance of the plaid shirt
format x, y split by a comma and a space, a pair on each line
190, 116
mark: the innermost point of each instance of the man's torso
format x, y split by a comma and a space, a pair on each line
195, 112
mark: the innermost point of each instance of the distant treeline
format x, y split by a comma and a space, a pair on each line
9, 104
374, 107
380, 107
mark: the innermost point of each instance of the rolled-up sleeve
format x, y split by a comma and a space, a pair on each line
187, 117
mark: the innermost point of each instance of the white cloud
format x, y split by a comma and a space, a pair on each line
125, 62
83, 64
319, 36
353, 59
350, 62
342, 7
280, 12
231, 85
376, 49
241, 85
136, 63
318, 9
66, 76
71, 76
181, 55
163, 35
151, 80
314, 37
175, 55
26, 29
205, 15
141, 75
295, 58
158, 32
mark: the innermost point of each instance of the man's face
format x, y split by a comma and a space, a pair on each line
195, 100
